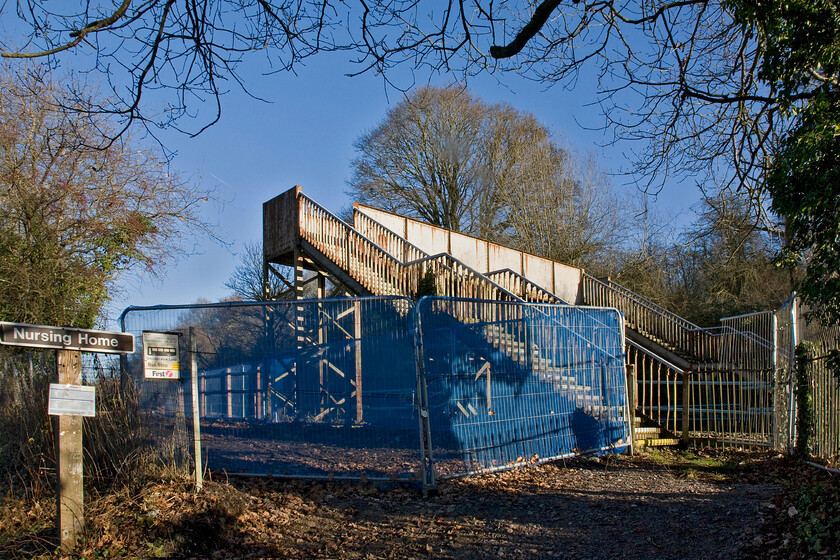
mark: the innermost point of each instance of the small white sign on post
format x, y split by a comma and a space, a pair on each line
161, 358
71, 400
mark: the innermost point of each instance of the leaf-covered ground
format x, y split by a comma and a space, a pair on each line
663, 505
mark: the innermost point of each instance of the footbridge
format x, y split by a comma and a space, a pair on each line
683, 381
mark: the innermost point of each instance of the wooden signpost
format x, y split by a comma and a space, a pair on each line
70, 401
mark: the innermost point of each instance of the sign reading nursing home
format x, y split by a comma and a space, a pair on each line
63, 338
160, 355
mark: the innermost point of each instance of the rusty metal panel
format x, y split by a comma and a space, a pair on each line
502, 257
539, 271
567, 283
280, 225
470, 251
431, 239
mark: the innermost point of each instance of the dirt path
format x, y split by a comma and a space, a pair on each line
628, 509
621, 508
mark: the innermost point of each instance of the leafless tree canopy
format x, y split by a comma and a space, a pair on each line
447, 157
680, 76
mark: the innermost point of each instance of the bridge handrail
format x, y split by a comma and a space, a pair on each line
407, 250
518, 284
318, 223
511, 281
332, 237
651, 319
641, 300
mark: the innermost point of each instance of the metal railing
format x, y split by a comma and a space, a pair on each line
732, 406
659, 388
825, 399
749, 339
379, 271
652, 320
522, 287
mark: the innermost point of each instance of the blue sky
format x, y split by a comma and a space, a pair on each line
305, 137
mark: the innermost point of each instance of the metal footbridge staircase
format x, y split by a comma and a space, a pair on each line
672, 364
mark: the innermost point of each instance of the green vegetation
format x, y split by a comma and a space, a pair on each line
706, 464
817, 518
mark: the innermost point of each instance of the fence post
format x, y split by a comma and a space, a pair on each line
427, 464
632, 403
199, 469
69, 457
777, 406
791, 431
686, 405
804, 401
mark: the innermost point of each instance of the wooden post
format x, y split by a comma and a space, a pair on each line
489, 389
323, 369
258, 393
302, 402
228, 390
69, 458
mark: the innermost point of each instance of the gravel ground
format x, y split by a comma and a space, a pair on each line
650, 506
618, 508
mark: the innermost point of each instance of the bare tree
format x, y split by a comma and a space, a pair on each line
488, 170
690, 78
720, 265
679, 75
72, 217
576, 218
724, 266
709, 88
246, 280
426, 158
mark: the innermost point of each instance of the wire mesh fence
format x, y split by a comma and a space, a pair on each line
310, 388
825, 399
112, 439
331, 388
508, 384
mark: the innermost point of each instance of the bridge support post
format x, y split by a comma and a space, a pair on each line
357, 334
632, 403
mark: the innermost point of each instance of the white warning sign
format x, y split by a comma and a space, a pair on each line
161, 359
71, 400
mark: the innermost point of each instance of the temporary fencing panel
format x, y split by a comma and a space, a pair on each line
508, 384
311, 388
331, 388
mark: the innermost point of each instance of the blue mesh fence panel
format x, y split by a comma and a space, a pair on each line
310, 388
511, 384
329, 387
